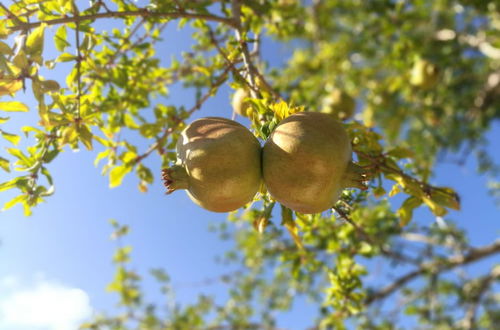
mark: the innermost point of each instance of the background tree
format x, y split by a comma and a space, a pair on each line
425, 78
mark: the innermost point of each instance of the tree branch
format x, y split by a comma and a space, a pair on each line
144, 13
196, 107
253, 73
435, 267
469, 320
11, 15
364, 235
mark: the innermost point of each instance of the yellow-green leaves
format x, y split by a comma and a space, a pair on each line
10, 86
4, 164
13, 106
60, 38
405, 212
282, 110
291, 226
34, 42
12, 138
50, 85
5, 49
117, 174
436, 198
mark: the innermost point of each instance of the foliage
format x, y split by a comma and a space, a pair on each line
114, 99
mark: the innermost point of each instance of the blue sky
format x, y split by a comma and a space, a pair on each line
63, 252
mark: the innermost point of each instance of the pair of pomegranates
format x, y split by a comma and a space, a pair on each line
305, 163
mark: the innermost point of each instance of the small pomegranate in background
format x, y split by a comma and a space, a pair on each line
306, 162
339, 104
241, 107
424, 74
219, 164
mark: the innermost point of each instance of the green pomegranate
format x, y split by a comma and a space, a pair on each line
424, 74
307, 163
339, 104
219, 164
241, 107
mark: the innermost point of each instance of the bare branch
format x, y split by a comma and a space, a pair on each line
469, 320
364, 235
435, 267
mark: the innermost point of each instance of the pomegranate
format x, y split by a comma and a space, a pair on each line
306, 162
424, 74
238, 102
339, 104
219, 164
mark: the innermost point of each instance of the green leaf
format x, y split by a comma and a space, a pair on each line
60, 38
13, 106
100, 156
117, 174
446, 197
379, 192
405, 212
4, 164
291, 226
129, 121
34, 42
12, 138
400, 152
14, 201
26, 209
65, 57
85, 136
436, 209
122, 255
5, 49
21, 60
8, 184
10, 87
20, 155
50, 85
46, 173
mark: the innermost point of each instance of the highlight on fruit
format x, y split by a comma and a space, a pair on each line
307, 162
218, 164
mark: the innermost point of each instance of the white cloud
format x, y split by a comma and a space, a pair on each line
45, 306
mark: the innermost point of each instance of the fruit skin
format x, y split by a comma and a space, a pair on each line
306, 162
339, 104
238, 103
219, 164
424, 74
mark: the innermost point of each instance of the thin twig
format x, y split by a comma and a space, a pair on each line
232, 64
78, 62
11, 15
435, 267
361, 232
196, 107
253, 73
142, 12
469, 320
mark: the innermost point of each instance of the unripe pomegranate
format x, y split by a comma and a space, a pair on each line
306, 162
339, 104
219, 164
238, 102
424, 74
